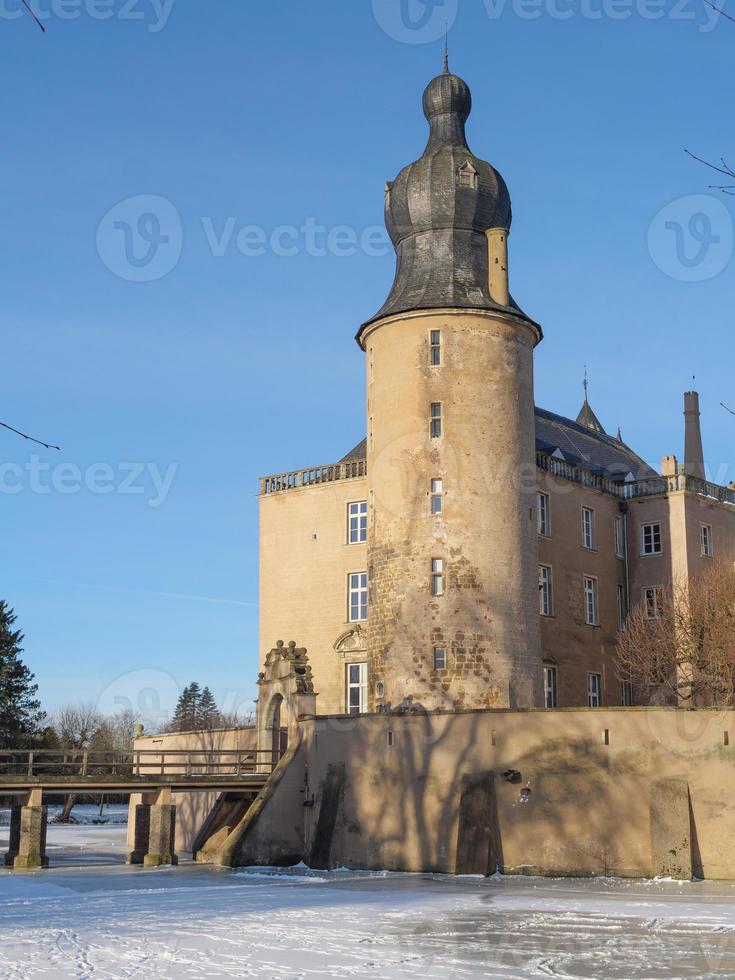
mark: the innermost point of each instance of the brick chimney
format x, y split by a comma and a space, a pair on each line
693, 453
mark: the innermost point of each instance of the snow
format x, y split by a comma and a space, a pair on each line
82, 921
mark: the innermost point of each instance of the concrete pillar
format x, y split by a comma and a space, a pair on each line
28, 833
141, 818
14, 845
693, 452
671, 830
162, 833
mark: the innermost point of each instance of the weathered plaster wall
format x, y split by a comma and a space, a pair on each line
305, 561
487, 618
575, 648
592, 785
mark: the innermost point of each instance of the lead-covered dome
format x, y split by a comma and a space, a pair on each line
439, 209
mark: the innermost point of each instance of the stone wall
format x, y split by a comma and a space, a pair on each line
629, 792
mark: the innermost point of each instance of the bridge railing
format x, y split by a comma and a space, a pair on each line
142, 764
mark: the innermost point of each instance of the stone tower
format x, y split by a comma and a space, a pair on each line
452, 546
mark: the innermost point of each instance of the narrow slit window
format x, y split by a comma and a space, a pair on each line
440, 658
437, 576
436, 348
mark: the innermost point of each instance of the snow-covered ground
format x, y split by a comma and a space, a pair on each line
195, 921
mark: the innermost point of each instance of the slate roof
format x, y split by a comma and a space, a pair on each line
438, 221
578, 444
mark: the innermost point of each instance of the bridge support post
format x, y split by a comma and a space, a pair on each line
162, 832
141, 832
28, 834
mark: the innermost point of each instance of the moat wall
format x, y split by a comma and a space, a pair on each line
627, 792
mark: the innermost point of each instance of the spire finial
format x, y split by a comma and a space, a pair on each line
446, 50
586, 384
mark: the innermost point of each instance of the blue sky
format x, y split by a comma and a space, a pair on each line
243, 115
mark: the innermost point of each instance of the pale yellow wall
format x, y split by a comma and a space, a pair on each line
589, 805
576, 648
487, 619
305, 561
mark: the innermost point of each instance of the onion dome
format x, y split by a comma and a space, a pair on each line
438, 211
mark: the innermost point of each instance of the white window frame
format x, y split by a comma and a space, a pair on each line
357, 522
591, 601
705, 540
594, 690
551, 686
619, 535
357, 597
648, 548
589, 532
651, 600
437, 577
440, 658
543, 514
436, 420
356, 681
545, 590
435, 348
437, 497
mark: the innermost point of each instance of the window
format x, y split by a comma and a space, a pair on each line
357, 522
651, 539
543, 514
627, 698
356, 689
706, 539
440, 658
588, 528
550, 698
594, 690
437, 576
371, 437
590, 602
544, 590
436, 420
621, 608
619, 530
371, 366
436, 348
652, 601
358, 597
437, 496
467, 175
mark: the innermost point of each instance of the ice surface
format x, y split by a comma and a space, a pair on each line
201, 922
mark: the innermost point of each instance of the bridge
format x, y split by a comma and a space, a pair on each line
26, 776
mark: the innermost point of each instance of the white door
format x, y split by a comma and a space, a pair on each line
356, 689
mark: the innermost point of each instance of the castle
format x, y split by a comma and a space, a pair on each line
474, 551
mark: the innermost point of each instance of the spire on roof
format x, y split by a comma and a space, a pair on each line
587, 417
446, 51
619, 436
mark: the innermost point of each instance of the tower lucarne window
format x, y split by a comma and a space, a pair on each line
467, 176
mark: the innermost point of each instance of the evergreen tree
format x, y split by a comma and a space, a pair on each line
21, 717
208, 711
195, 700
186, 715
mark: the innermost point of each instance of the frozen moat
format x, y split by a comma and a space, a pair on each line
194, 921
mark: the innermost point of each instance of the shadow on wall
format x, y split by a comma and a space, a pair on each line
523, 792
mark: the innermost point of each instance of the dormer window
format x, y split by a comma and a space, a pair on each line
467, 175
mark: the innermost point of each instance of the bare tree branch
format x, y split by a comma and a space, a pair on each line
38, 442
724, 169
719, 10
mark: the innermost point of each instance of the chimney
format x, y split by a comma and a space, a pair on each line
693, 453
497, 255
669, 466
